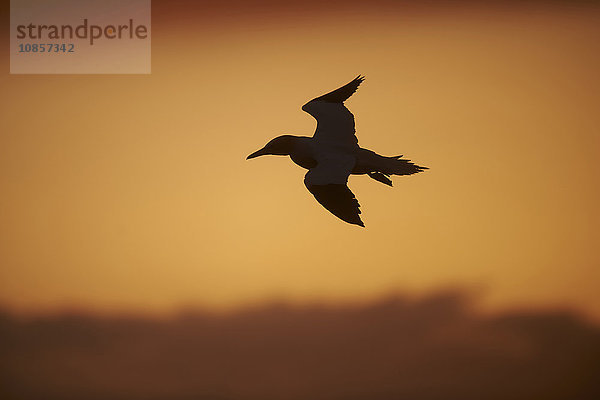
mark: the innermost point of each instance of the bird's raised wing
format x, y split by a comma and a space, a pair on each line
335, 123
328, 183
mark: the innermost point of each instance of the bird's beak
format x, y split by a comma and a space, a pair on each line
260, 152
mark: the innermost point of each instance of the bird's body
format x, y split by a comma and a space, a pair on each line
304, 152
333, 153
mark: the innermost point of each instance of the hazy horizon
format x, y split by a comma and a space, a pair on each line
432, 347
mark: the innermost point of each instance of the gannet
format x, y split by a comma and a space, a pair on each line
332, 154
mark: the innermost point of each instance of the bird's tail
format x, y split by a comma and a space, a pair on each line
397, 166
381, 168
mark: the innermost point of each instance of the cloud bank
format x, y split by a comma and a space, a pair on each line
395, 348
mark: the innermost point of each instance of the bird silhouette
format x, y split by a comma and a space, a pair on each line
333, 154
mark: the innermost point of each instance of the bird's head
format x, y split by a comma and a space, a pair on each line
280, 146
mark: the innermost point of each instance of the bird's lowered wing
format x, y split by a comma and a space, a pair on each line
328, 183
335, 123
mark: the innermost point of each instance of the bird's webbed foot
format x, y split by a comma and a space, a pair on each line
380, 177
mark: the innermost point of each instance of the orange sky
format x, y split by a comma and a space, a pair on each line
133, 192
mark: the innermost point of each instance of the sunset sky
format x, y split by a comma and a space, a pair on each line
132, 192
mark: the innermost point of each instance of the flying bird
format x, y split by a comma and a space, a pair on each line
332, 154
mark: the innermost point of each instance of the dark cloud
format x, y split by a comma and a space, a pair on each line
433, 348
207, 12
201, 15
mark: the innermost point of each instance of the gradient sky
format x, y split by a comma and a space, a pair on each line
133, 192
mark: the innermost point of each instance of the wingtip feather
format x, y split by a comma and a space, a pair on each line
342, 93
